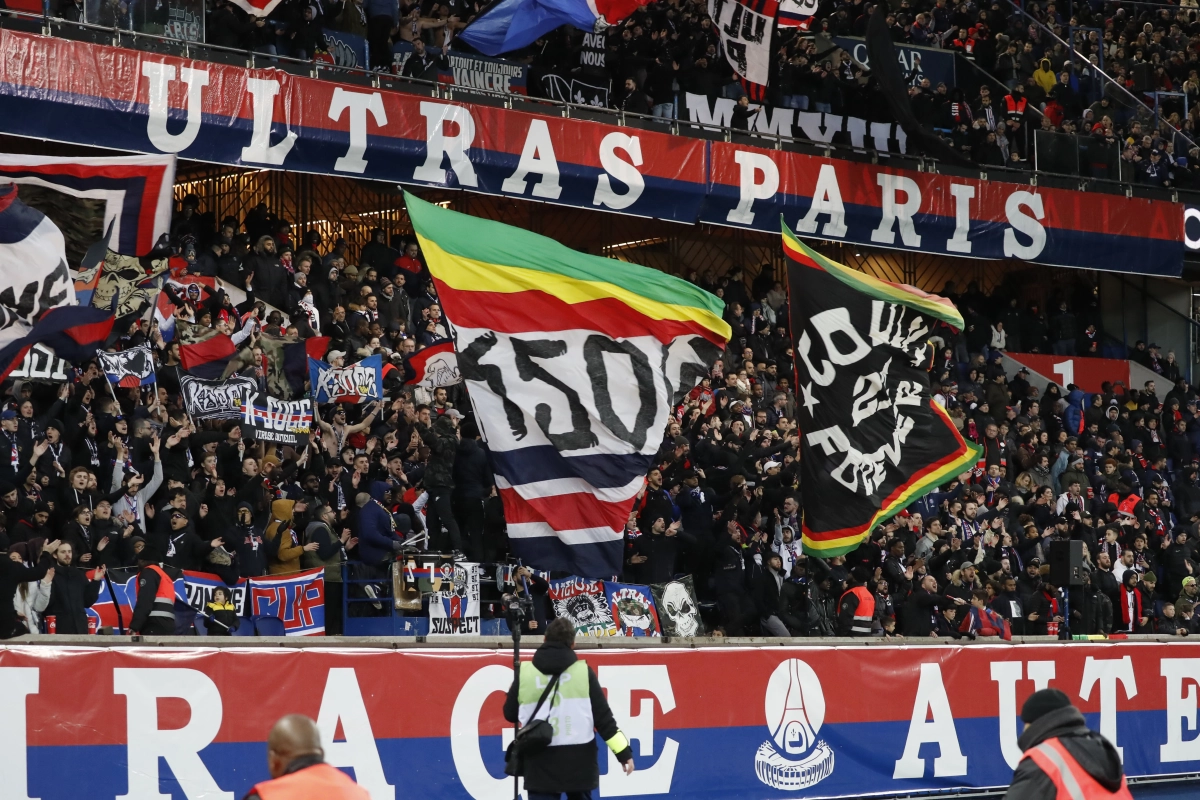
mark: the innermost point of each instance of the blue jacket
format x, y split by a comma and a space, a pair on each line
383, 8
377, 537
1074, 413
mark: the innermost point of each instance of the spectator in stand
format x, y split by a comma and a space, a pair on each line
72, 593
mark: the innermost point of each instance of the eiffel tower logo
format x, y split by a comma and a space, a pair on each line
794, 757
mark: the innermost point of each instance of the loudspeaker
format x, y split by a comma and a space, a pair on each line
1066, 563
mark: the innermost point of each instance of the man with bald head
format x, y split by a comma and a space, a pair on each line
297, 765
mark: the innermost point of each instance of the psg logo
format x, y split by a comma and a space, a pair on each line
794, 758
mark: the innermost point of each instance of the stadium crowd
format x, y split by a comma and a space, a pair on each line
100, 477
1088, 125
1045, 105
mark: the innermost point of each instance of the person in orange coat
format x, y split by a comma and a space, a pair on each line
297, 765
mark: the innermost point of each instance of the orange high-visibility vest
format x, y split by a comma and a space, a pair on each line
865, 611
1072, 781
318, 782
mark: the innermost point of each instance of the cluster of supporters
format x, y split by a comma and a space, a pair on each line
102, 478
1137, 126
1116, 471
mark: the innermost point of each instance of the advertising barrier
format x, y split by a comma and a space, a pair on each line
715, 722
230, 115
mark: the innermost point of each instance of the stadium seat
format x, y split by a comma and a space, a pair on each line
269, 626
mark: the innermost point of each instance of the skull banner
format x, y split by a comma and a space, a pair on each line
676, 602
585, 604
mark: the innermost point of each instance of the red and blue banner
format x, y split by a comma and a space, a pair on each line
136, 191
840, 200
298, 600
707, 722
269, 119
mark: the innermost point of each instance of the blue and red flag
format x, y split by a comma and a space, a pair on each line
190, 287
513, 24
208, 359
73, 332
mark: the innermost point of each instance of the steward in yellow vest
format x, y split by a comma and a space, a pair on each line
577, 710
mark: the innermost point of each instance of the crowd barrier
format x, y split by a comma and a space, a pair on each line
736, 719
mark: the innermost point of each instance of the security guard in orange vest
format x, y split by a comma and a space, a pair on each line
154, 613
1064, 760
856, 608
297, 765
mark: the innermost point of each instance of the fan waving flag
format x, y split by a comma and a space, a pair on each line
573, 363
512, 24
874, 439
433, 366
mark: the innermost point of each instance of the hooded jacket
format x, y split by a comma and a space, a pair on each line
1045, 76
572, 767
1092, 751
285, 553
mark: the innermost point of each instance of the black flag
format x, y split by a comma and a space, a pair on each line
874, 440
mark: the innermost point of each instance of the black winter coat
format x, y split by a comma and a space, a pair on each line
572, 767
1091, 750
12, 575
70, 597
472, 476
443, 448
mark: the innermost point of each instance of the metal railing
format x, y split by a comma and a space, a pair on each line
146, 42
1107, 84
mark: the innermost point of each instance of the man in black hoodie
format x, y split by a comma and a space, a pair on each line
1060, 752
247, 539
569, 764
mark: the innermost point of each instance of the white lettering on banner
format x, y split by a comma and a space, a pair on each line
476, 73
1028, 225
827, 323
342, 701
778, 123
260, 150
464, 734
537, 158
621, 682
18, 683
1183, 675
438, 145
180, 748
40, 364
817, 126
1006, 674
751, 165
352, 381
721, 112
359, 104
293, 416
931, 722
158, 108
963, 194
827, 199
620, 169
893, 211
1108, 671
